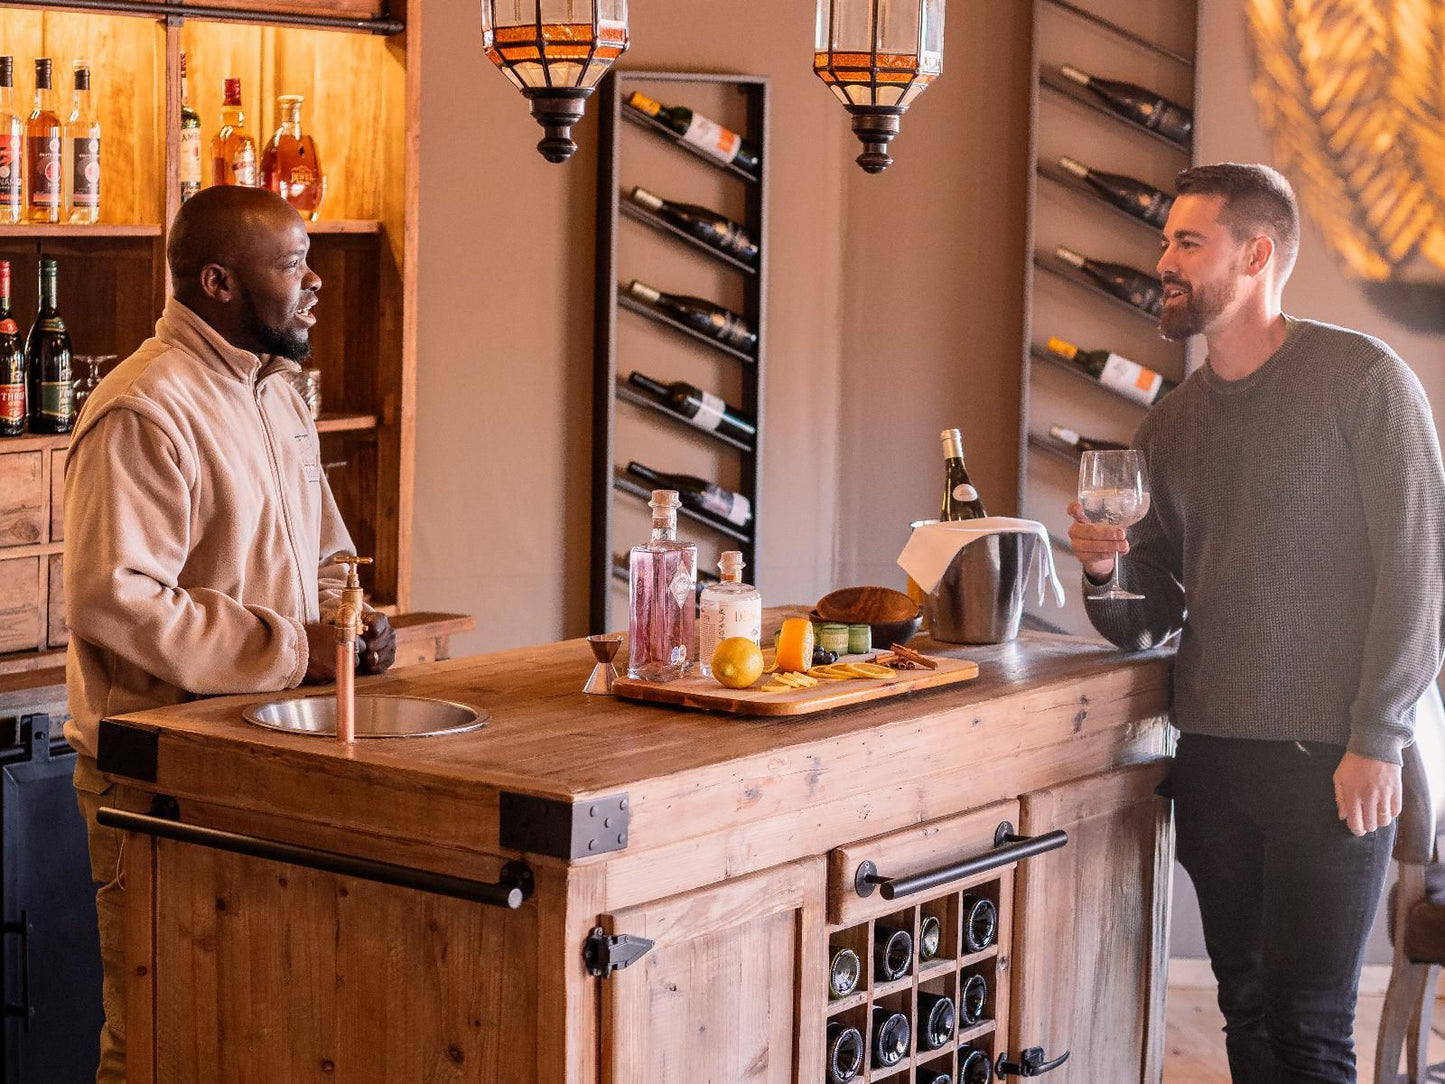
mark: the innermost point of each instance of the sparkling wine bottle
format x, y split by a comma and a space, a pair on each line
705, 134
1136, 103
190, 156
1143, 201
12, 148
1118, 374
699, 314
960, 498
662, 574
698, 407
727, 609
12, 364
1144, 292
47, 360
699, 494
711, 228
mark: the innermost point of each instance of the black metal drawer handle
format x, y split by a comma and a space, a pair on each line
515, 886
1007, 848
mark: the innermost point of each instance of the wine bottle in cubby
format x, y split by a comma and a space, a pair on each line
929, 1075
1137, 104
844, 1047
1115, 372
892, 952
12, 148
1133, 287
707, 135
891, 1036
974, 1066
698, 408
980, 923
844, 971
1143, 201
936, 1020
972, 1001
930, 938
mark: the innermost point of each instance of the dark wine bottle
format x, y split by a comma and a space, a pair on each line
1066, 437
936, 1020
980, 923
12, 364
698, 407
845, 1052
699, 494
1135, 103
699, 314
47, 359
892, 952
891, 1036
1118, 374
709, 227
1144, 292
705, 134
960, 498
928, 1075
973, 1066
930, 938
975, 997
1143, 201
844, 971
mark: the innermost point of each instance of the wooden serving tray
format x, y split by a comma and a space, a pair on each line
705, 693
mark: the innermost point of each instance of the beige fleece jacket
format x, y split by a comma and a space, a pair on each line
197, 522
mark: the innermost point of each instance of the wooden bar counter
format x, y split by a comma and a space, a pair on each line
727, 848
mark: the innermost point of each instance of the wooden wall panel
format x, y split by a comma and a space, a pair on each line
20, 604
22, 499
57, 629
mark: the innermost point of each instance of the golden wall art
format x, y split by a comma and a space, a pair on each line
1353, 94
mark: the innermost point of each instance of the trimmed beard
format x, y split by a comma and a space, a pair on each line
1202, 305
295, 345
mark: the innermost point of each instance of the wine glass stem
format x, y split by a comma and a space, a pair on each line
1114, 576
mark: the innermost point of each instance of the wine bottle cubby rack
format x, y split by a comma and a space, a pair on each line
636, 243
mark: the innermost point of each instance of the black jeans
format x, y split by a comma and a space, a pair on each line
1287, 896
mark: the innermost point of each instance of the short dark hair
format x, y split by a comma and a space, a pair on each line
1257, 199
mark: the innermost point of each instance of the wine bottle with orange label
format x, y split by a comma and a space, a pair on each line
1117, 373
704, 133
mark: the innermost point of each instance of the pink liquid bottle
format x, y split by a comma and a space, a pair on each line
662, 576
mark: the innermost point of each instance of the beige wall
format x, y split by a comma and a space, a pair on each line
893, 312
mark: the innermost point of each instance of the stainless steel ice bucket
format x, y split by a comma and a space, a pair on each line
980, 599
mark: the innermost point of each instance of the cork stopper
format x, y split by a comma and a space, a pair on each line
731, 565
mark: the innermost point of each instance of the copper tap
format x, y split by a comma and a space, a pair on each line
348, 623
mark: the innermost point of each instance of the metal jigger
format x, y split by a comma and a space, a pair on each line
604, 648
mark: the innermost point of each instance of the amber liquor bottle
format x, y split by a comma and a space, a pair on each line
1137, 104
47, 360
709, 227
700, 315
44, 166
82, 153
233, 148
1130, 286
12, 364
1143, 201
12, 148
290, 165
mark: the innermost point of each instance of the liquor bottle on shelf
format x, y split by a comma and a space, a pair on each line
44, 162
662, 574
47, 360
973, 1000
960, 498
290, 165
1144, 292
190, 156
1143, 201
974, 1066
699, 131
936, 1020
699, 494
12, 364
233, 148
727, 609
892, 952
82, 153
698, 407
844, 971
891, 1036
699, 314
980, 923
711, 228
1065, 436
1118, 374
930, 1075
12, 148
930, 938
845, 1052
1135, 103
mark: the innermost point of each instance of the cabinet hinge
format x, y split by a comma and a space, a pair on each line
604, 954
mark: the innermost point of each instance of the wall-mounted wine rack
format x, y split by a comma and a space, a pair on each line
632, 242
1133, 41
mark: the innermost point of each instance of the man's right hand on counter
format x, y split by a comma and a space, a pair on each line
1095, 544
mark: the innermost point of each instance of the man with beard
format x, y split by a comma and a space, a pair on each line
1296, 540
198, 521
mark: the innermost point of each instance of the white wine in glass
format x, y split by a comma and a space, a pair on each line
1114, 489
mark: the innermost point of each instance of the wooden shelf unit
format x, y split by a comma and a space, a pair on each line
633, 243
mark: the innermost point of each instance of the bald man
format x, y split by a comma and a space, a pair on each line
198, 521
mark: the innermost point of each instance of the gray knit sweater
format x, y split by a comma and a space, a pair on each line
1296, 537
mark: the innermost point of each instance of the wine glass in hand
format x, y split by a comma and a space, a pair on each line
1114, 490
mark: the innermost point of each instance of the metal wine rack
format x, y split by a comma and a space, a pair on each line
1112, 39
632, 242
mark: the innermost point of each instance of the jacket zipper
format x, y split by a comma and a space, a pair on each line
280, 493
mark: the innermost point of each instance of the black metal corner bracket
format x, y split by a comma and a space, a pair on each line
559, 829
604, 955
128, 750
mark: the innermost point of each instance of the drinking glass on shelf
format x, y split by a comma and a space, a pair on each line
89, 369
1114, 489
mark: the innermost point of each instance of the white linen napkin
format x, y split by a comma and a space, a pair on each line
932, 546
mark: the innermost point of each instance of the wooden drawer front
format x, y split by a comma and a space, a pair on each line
57, 495
22, 499
913, 850
58, 632
21, 627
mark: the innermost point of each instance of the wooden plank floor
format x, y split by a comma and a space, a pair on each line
1195, 1043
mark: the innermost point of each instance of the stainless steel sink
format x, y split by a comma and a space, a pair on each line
376, 716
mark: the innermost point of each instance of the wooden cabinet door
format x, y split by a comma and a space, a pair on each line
719, 997
1091, 926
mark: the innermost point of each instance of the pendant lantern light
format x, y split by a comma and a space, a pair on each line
554, 52
877, 56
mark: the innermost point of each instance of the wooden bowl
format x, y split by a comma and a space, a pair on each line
892, 615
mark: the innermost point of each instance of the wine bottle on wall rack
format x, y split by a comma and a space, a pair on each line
12, 148
699, 494
1144, 292
845, 1052
705, 134
12, 364
699, 314
1117, 373
973, 1066
891, 1036
620, 562
697, 407
709, 227
1143, 201
980, 923
47, 360
1135, 103
973, 1000
960, 498
936, 1020
44, 167
1061, 434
